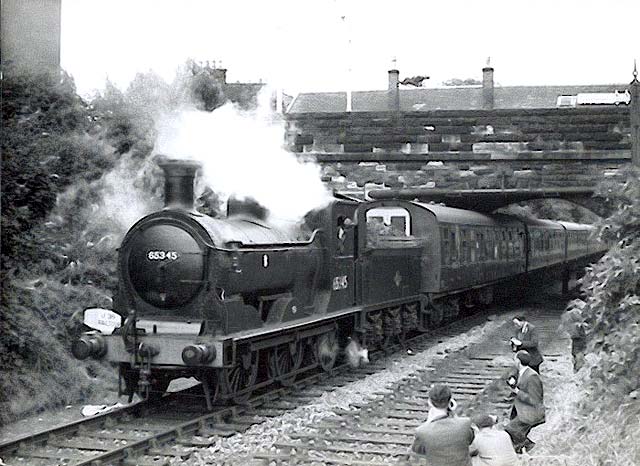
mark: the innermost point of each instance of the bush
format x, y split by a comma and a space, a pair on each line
37, 369
610, 304
49, 140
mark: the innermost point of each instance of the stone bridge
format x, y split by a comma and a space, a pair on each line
471, 158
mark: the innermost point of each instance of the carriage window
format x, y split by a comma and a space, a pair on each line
519, 242
463, 246
472, 246
487, 246
504, 254
454, 247
444, 234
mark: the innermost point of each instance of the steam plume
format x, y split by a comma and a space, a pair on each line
242, 155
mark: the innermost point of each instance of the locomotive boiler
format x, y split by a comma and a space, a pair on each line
239, 302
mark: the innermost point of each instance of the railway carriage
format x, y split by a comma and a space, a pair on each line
471, 249
545, 244
579, 241
239, 302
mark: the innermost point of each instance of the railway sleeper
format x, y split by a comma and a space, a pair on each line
117, 435
353, 438
291, 446
364, 429
81, 443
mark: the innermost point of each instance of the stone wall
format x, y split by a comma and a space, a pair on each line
473, 149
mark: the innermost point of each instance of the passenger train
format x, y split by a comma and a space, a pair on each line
240, 303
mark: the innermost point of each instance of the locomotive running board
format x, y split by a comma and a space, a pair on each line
269, 331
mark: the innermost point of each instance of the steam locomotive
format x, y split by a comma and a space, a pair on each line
239, 303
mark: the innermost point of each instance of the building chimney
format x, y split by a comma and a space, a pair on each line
487, 87
220, 75
179, 176
393, 90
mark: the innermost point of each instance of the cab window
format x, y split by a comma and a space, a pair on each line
387, 226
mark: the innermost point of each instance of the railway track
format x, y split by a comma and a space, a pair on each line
173, 431
381, 431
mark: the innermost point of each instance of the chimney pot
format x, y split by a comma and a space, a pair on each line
394, 79
487, 88
393, 90
220, 75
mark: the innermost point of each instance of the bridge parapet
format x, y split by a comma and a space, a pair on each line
466, 149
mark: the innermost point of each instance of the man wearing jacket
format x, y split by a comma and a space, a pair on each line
444, 438
491, 447
526, 338
528, 406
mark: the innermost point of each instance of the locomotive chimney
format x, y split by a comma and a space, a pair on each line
179, 176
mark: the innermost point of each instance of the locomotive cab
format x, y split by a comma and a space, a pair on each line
390, 245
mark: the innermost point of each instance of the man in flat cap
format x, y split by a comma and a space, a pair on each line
491, 446
528, 407
444, 438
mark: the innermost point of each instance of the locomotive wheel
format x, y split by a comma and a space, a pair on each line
310, 356
284, 359
327, 350
241, 377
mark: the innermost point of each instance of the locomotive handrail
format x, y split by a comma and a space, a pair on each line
259, 247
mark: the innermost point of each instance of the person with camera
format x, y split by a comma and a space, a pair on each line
528, 405
444, 438
526, 338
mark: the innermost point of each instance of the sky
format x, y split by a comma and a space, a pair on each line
336, 45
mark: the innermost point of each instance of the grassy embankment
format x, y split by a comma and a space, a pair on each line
593, 415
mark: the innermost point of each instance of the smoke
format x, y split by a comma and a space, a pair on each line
355, 354
108, 206
243, 156
123, 199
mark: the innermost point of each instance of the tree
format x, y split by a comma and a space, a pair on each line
46, 144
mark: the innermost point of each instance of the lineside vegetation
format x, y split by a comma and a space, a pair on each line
598, 410
65, 162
